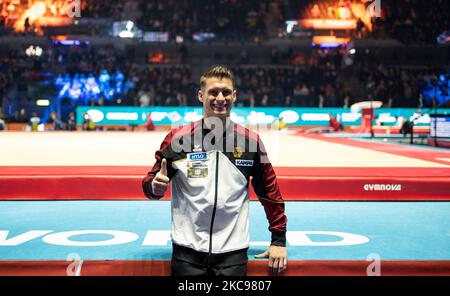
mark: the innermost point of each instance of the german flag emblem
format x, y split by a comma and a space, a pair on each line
238, 151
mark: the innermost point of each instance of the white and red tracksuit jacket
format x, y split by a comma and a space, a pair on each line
210, 187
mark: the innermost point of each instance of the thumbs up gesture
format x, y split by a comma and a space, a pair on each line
161, 181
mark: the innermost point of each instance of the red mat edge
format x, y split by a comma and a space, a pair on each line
141, 171
292, 188
391, 148
255, 268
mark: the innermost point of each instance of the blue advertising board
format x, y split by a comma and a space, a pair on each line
249, 116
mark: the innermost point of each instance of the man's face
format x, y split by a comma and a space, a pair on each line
217, 97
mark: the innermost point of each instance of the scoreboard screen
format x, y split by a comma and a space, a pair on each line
440, 125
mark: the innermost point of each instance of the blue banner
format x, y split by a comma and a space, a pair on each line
250, 116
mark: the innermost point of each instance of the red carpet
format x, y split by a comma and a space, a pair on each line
97, 183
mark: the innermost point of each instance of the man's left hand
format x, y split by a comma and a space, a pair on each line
277, 258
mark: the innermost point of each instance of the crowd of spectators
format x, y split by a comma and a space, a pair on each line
322, 79
102, 9
319, 79
10, 70
414, 21
87, 59
250, 20
229, 19
4, 78
313, 86
410, 21
167, 86
233, 19
153, 85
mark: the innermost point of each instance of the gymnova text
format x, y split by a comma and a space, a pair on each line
383, 187
162, 238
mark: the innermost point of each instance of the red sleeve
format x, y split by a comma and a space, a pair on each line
265, 184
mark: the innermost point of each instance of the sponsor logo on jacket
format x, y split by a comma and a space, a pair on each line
198, 156
244, 162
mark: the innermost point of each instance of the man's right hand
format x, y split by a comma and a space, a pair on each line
161, 181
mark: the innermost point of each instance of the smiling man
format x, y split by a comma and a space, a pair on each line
209, 165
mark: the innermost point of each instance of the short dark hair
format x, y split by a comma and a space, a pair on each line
217, 72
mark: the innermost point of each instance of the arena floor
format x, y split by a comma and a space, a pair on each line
138, 148
60, 182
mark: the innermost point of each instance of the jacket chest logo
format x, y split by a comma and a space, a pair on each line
197, 166
197, 172
237, 152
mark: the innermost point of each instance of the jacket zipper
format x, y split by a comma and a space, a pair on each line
215, 205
